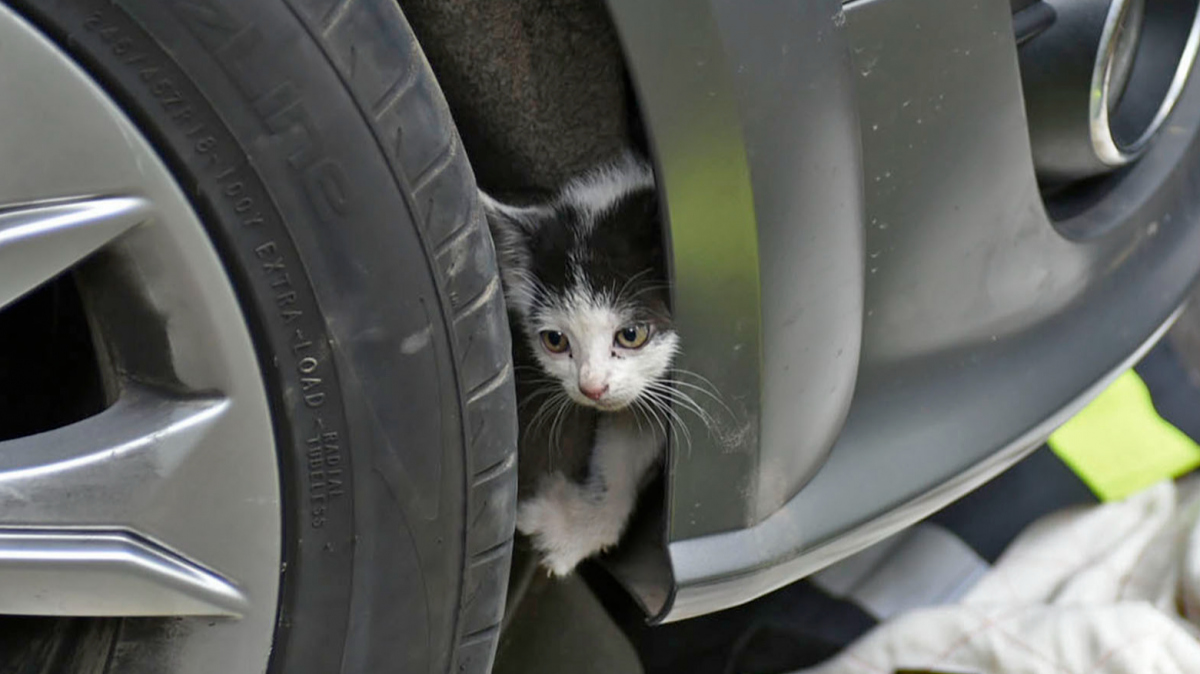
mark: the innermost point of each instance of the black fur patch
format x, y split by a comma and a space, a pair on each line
619, 255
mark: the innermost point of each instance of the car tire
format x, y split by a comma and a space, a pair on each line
315, 144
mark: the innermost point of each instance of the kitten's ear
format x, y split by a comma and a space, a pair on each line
511, 221
512, 229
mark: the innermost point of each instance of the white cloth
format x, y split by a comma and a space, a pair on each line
1108, 589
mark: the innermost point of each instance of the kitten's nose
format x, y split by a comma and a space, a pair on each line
593, 391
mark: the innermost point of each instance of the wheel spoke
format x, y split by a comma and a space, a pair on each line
40, 241
102, 470
105, 573
72, 501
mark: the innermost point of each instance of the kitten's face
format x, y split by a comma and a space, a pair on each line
603, 352
585, 277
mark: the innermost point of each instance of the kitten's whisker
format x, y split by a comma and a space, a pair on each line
705, 380
554, 446
556, 428
708, 389
544, 412
526, 378
636, 408
690, 406
649, 287
701, 389
552, 417
541, 408
672, 417
682, 429
554, 383
654, 416
631, 279
530, 396
684, 400
691, 403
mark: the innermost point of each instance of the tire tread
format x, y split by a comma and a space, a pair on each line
435, 171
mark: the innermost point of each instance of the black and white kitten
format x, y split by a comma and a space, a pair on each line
584, 276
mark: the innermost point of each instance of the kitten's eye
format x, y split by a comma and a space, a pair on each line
554, 341
632, 336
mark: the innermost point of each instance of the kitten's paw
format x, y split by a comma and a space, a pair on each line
560, 522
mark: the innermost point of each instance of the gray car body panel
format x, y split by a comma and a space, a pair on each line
883, 196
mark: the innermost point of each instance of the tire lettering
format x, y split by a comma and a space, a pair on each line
238, 48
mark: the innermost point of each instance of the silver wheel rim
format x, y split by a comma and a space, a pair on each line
166, 503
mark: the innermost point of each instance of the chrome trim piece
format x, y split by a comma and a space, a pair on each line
1107, 149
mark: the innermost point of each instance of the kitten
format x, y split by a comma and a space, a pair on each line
584, 277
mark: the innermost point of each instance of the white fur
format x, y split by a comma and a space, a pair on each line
601, 189
568, 521
594, 359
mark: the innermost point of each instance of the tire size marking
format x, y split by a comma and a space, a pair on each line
325, 465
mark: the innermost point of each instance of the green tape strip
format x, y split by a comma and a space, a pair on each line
1119, 445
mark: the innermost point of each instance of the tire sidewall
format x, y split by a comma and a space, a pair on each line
331, 262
